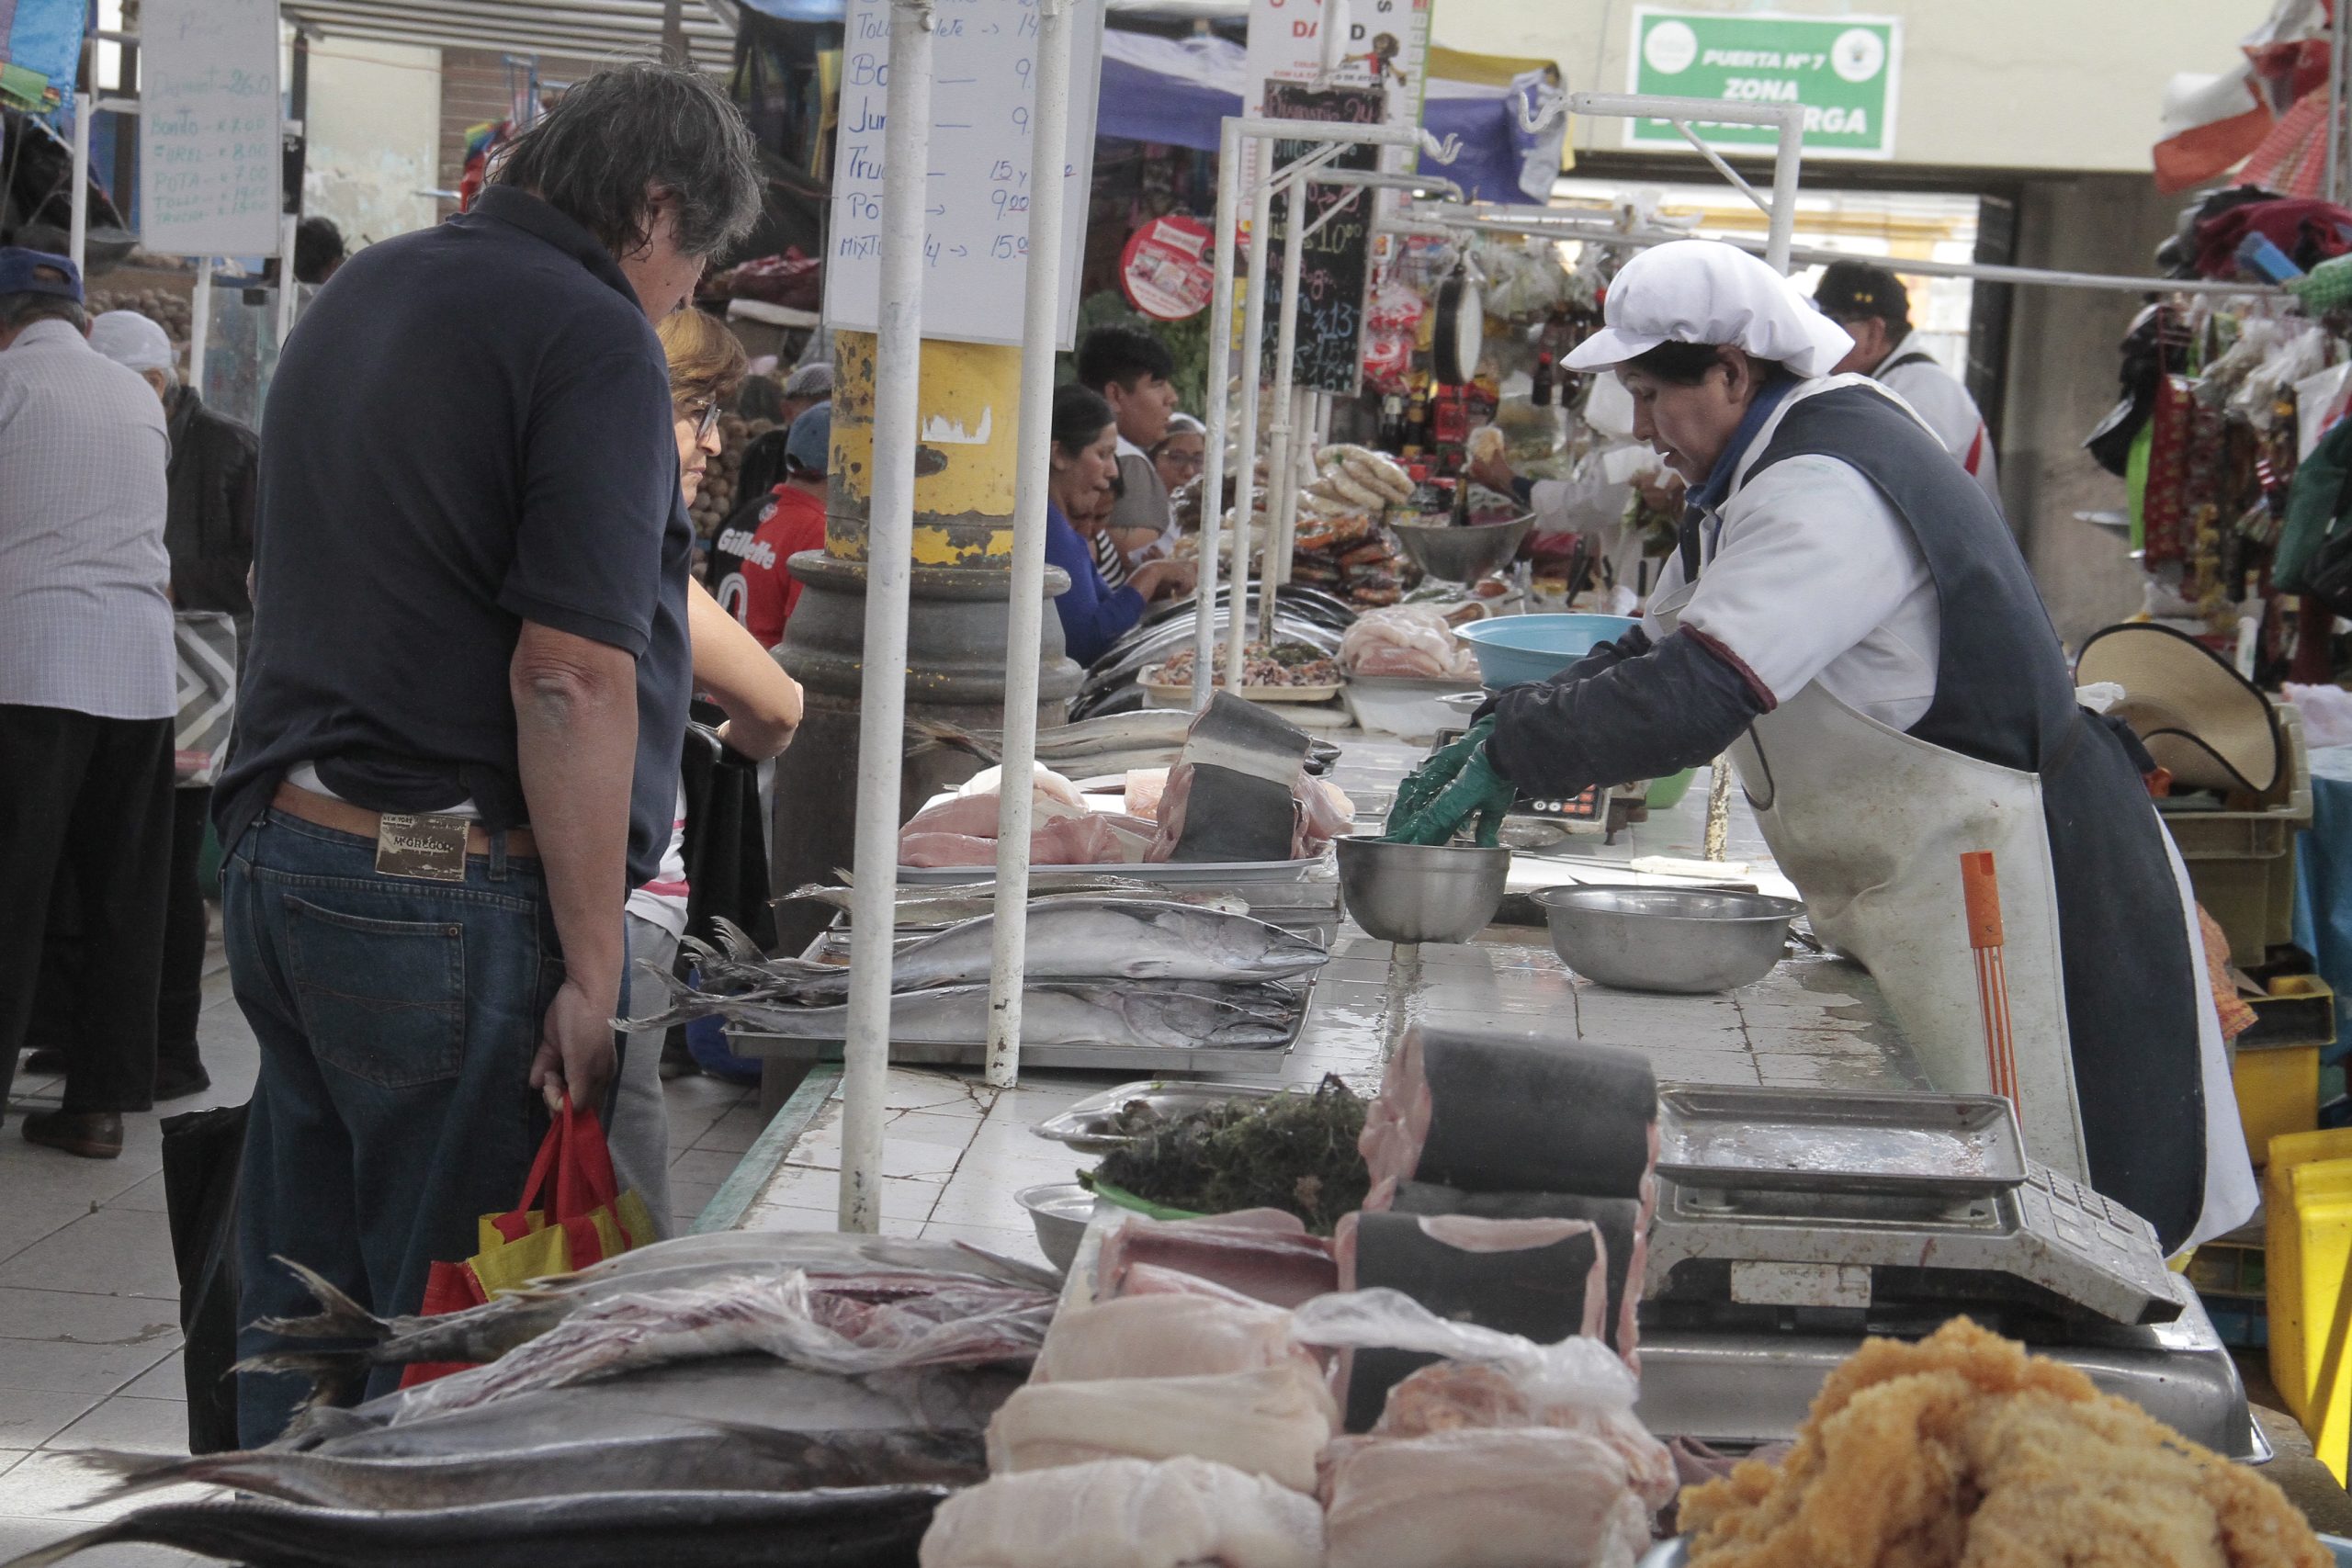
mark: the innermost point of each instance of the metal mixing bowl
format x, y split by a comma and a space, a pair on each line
1058, 1212
1667, 939
1462, 554
1420, 892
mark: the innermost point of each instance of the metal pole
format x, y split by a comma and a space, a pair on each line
1041, 321
1228, 203
78, 235
1253, 333
2340, 72
1279, 478
199, 324
286, 281
1782, 232
889, 560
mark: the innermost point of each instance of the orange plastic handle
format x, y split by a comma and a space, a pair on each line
1982, 888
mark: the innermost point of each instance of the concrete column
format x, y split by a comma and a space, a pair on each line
969, 399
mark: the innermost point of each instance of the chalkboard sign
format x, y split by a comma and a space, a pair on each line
1336, 263
208, 156
975, 225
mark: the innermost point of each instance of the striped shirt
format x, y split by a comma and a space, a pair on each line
83, 621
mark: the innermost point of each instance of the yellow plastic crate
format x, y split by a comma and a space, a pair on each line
2307, 1192
2277, 1093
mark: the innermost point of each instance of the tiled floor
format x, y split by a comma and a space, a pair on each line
90, 1325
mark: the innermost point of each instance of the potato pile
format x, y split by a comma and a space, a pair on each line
166, 308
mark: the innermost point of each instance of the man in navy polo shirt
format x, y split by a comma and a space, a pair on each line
459, 729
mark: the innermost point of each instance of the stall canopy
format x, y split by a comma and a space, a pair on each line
586, 28
40, 41
1177, 91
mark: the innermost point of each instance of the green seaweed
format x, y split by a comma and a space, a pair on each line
1294, 1152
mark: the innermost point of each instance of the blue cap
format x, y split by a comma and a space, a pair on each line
805, 446
37, 272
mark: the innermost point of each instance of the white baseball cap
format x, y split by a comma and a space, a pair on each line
133, 339
1706, 291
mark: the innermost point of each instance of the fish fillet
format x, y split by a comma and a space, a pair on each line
1165, 1336
1474, 1498
1282, 1268
1272, 1422
1127, 1513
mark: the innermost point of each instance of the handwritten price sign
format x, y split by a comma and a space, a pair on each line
208, 164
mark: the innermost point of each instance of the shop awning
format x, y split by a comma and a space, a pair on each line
1177, 91
589, 30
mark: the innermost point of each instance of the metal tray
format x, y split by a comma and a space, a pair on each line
1960, 1146
1176, 874
1156, 1059
1086, 1126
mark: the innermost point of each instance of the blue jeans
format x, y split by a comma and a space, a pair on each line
397, 1020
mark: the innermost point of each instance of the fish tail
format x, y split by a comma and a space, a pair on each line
134, 1473
58, 1551
333, 1374
339, 1316
736, 939
930, 734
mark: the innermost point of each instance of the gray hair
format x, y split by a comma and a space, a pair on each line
20, 311
631, 128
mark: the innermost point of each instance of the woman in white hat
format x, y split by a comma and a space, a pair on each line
1849, 615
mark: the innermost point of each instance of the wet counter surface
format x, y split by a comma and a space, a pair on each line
955, 1151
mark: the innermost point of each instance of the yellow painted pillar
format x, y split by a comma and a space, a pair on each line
967, 417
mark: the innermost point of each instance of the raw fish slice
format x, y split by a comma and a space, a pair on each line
1282, 1268
1482, 1499
1151, 1280
1446, 1396
1624, 1231
1272, 1422
1127, 1513
1543, 1279
1165, 1336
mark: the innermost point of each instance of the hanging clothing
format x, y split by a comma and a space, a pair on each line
1936, 730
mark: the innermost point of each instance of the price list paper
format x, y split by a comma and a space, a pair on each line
208, 156
976, 207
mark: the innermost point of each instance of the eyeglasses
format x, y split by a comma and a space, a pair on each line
705, 418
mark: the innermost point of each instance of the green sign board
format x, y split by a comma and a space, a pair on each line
1842, 68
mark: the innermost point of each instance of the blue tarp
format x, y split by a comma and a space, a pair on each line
800, 10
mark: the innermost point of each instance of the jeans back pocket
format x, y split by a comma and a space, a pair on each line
381, 1000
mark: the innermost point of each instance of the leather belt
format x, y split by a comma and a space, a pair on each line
346, 817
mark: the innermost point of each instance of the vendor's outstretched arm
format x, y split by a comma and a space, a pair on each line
1676, 707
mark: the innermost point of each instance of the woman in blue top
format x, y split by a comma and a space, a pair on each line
1085, 464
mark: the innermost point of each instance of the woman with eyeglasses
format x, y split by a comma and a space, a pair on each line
1179, 454
763, 708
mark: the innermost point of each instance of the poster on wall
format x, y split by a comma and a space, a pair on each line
1384, 52
1843, 70
209, 153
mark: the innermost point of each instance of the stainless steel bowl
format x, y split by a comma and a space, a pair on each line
1667, 939
1420, 892
1462, 554
1058, 1212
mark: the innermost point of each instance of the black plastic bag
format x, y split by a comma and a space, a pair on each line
202, 1152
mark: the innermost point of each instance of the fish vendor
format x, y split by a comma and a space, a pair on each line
1849, 617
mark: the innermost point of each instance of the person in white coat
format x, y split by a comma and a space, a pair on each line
1849, 615
1874, 308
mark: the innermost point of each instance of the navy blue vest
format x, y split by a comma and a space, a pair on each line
2004, 694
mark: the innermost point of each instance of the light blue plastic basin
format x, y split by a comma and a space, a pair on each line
1512, 648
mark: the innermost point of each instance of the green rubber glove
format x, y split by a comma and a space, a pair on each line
1425, 782
1477, 791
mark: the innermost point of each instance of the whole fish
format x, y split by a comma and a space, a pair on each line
932, 907
494, 1328
1136, 1014
865, 1527
697, 1457
751, 1391
819, 1252
1148, 728
1079, 939
779, 1317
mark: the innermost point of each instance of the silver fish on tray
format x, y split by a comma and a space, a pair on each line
1078, 940
696, 1457
1143, 1015
679, 1313
930, 906
868, 1527
754, 1391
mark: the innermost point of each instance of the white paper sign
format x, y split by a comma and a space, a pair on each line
208, 151
1386, 46
976, 227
